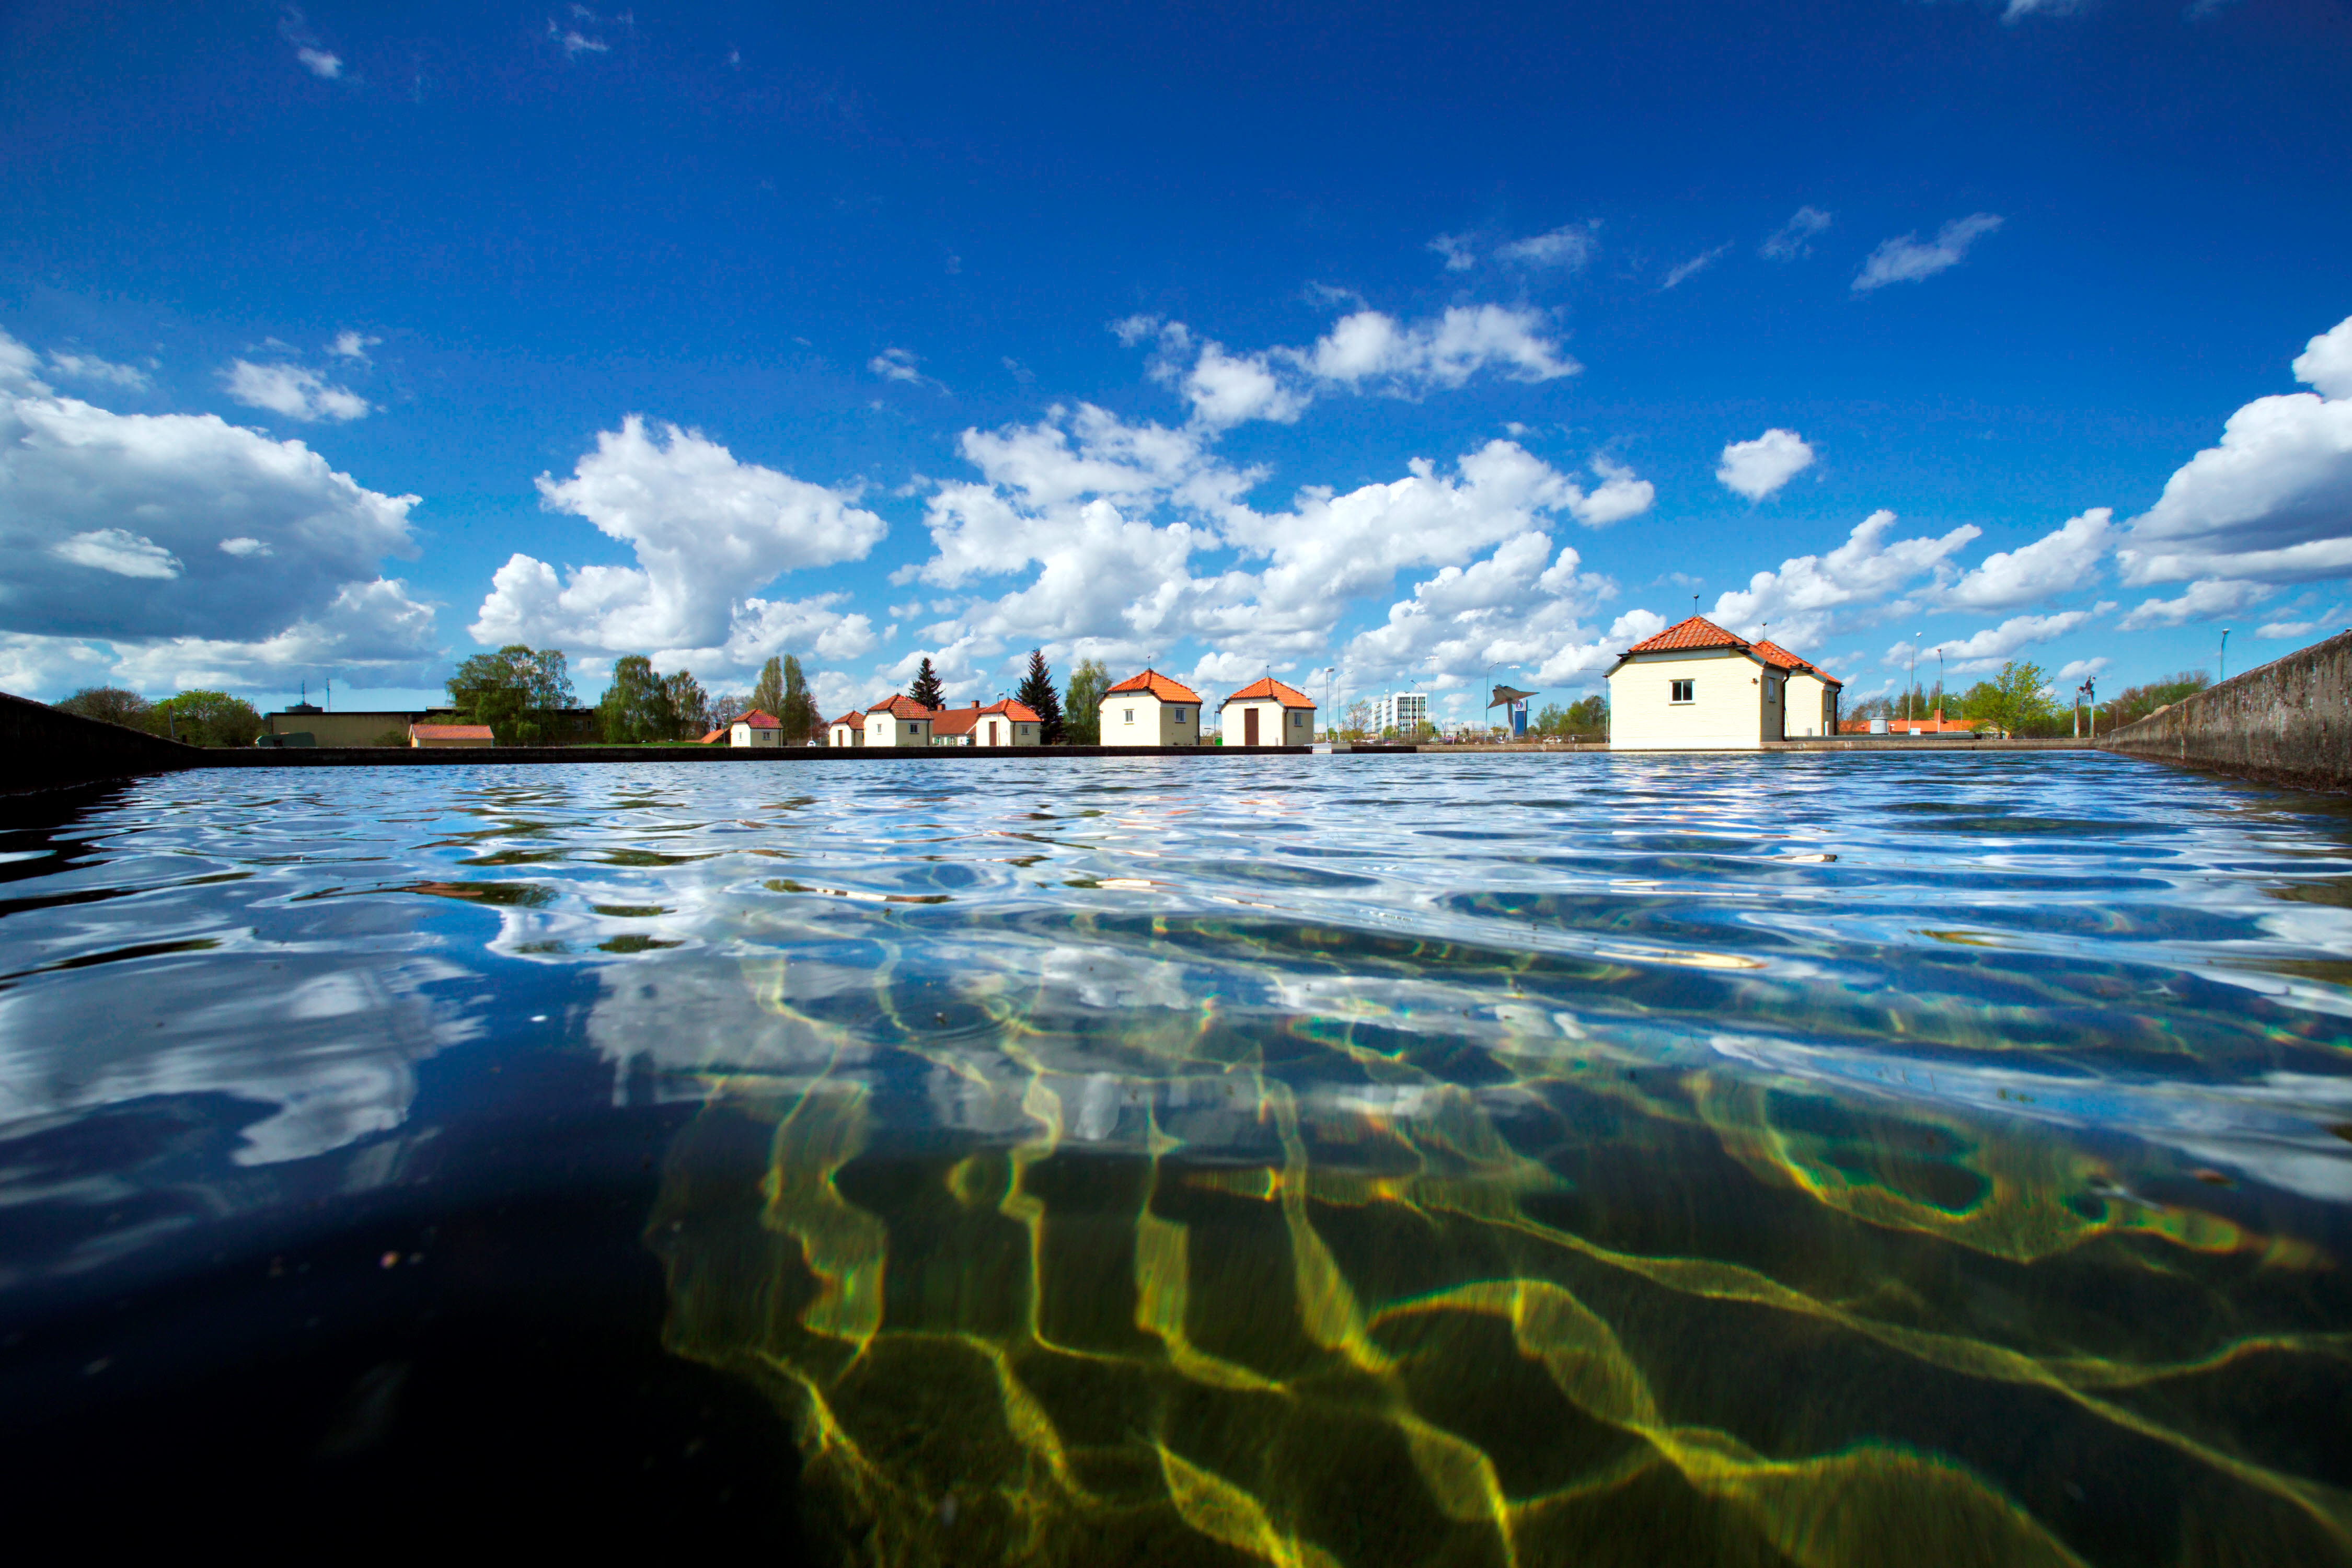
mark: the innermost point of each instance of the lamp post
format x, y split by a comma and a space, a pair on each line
1911, 683
1940, 688
1330, 674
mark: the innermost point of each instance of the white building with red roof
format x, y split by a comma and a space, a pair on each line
849, 730
1002, 723
1266, 713
1696, 687
900, 720
1150, 709
756, 728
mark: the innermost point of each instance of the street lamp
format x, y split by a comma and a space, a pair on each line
1330, 673
1940, 688
1912, 683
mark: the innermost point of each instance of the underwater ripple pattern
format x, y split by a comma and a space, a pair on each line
1353, 1159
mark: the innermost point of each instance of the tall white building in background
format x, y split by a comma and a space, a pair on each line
1403, 712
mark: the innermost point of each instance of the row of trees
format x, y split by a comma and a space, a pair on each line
2016, 701
197, 717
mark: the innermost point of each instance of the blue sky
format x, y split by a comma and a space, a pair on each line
1404, 341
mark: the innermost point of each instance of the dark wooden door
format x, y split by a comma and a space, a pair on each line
1249, 726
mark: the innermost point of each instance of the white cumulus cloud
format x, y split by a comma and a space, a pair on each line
290, 390
1995, 646
2205, 600
1906, 259
1756, 469
2053, 564
1810, 595
2274, 501
708, 530
135, 527
119, 551
319, 63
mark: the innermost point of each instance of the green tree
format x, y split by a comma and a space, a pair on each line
636, 707
206, 719
2012, 701
799, 713
107, 705
689, 706
768, 691
518, 691
1037, 694
1082, 703
1358, 725
2137, 702
925, 688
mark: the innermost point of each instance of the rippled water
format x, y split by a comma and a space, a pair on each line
1308, 1160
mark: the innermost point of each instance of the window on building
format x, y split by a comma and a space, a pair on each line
1131, 717
1682, 690
1180, 715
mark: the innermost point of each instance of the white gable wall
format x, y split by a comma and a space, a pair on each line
1728, 710
1276, 725
1139, 719
1813, 707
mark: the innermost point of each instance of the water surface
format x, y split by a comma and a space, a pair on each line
1304, 1160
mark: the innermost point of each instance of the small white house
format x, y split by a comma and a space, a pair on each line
1696, 687
1150, 709
899, 721
755, 729
1266, 713
849, 730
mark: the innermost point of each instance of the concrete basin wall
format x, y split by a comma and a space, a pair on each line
2288, 722
41, 748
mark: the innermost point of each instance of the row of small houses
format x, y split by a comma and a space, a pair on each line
1146, 709
1692, 687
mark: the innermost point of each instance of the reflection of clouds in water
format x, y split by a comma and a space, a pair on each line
335, 1051
2275, 1130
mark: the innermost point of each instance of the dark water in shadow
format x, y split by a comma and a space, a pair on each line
1316, 1161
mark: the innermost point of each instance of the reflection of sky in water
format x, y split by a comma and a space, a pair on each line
1924, 1052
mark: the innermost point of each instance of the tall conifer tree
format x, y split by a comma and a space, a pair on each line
1038, 695
927, 689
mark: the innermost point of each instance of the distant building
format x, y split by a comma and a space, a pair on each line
1696, 687
442, 735
1266, 713
1934, 724
1004, 722
849, 730
756, 727
1403, 712
900, 720
1150, 709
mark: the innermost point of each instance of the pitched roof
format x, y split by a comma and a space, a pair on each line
758, 718
1155, 684
1773, 653
1698, 632
1018, 712
1269, 689
955, 720
713, 737
855, 716
898, 705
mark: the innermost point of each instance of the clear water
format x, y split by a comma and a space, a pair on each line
1331, 1160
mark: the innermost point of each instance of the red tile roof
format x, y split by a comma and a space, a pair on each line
1018, 712
853, 717
713, 738
1774, 654
758, 718
898, 705
1269, 689
955, 720
1156, 685
1694, 633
